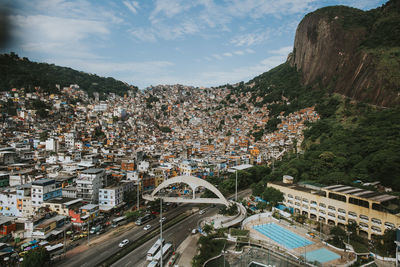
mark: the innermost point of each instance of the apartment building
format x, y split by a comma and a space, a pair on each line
111, 197
88, 184
42, 190
374, 212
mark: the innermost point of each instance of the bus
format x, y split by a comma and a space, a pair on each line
154, 249
166, 251
55, 249
118, 220
144, 218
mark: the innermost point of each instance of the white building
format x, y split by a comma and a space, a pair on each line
42, 190
111, 197
88, 184
51, 144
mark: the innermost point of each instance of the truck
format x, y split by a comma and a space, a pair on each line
95, 229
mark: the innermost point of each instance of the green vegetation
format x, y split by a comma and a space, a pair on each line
229, 211
209, 247
36, 257
342, 148
239, 232
165, 129
16, 72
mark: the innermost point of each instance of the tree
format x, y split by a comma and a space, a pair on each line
272, 195
36, 257
207, 228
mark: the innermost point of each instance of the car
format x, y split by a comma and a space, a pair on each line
163, 219
194, 231
147, 227
123, 243
202, 212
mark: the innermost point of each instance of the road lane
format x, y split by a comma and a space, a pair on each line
175, 234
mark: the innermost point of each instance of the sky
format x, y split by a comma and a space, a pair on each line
150, 42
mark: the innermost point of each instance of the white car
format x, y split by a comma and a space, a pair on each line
163, 219
147, 227
202, 212
123, 243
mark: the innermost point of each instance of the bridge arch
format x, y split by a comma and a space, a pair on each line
194, 182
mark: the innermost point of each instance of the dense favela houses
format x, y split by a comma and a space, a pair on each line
93, 152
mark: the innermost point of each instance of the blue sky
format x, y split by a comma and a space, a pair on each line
200, 43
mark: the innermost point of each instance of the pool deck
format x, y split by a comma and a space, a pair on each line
317, 244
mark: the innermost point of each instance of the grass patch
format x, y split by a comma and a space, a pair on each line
239, 232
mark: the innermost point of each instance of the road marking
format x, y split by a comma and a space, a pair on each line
129, 263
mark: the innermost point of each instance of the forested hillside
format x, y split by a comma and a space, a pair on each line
16, 72
352, 140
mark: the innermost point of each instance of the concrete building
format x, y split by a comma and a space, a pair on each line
111, 197
88, 184
43, 190
340, 205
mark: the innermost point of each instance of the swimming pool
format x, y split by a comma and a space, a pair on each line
321, 255
282, 236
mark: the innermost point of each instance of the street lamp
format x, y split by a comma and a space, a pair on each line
397, 250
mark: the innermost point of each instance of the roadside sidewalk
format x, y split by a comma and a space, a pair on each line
187, 250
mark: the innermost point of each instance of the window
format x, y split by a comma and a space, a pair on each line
341, 210
389, 225
322, 205
352, 214
340, 217
321, 211
298, 198
331, 214
313, 202
363, 225
305, 200
364, 217
375, 220
337, 197
331, 208
359, 202
376, 229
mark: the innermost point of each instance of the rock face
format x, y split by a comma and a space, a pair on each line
331, 51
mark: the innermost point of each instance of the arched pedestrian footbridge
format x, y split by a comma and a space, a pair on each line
193, 183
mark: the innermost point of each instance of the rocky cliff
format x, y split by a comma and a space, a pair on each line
352, 52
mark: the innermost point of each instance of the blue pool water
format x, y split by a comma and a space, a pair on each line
282, 236
321, 255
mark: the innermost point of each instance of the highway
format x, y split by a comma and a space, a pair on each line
175, 234
95, 254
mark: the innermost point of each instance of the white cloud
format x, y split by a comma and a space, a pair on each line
228, 54
239, 52
169, 8
144, 35
132, 6
250, 39
43, 34
219, 57
282, 51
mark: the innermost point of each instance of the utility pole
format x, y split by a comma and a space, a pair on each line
138, 200
161, 247
236, 187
